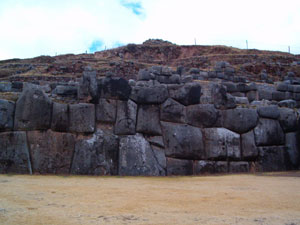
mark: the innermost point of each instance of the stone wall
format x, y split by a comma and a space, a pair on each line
163, 124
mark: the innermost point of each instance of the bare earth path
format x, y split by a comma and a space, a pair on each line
231, 199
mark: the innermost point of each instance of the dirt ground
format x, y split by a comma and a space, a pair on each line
230, 199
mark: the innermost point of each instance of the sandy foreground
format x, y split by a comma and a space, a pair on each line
231, 199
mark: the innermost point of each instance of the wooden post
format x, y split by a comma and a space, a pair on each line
247, 44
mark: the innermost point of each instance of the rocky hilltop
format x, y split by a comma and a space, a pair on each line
153, 109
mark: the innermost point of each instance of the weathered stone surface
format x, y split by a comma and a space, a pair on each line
159, 154
7, 110
201, 115
183, 141
82, 118
268, 132
187, 94
238, 167
65, 91
114, 88
287, 103
126, 118
180, 167
221, 143
278, 96
148, 120
33, 110
221, 99
51, 152
60, 117
221, 167
88, 85
270, 111
149, 95
106, 110
156, 141
252, 95
14, 154
241, 100
272, 158
292, 149
240, 120
282, 87
288, 119
204, 167
249, 149
96, 155
172, 111
137, 158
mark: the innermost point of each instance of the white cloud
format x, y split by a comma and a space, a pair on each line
31, 28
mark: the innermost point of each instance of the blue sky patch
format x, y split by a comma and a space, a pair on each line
96, 45
135, 7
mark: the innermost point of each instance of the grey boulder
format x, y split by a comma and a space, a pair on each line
33, 110
60, 117
187, 94
201, 115
148, 120
126, 118
172, 111
136, 158
269, 111
96, 155
268, 132
106, 110
51, 152
240, 120
7, 110
182, 167
183, 141
82, 118
14, 154
288, 119
221, 143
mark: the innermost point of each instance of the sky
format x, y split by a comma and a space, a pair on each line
32, 28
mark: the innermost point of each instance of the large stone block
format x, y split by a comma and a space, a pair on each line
33, 110
82, 118
292, 150
221, 143
240, 120
14, 154
183, 141
268, 132
51, 152
114, 88
220, 98
204, 115
176, 167
272, 158
238, 167
7, 110
288, 119
60, 117
136, 158
96, 155
187, 94
204, 167
172, 111
126, 118
270, 111
249, 149
106, 110
148, 120
221, 167
155, 94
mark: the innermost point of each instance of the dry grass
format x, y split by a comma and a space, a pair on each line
231, 199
